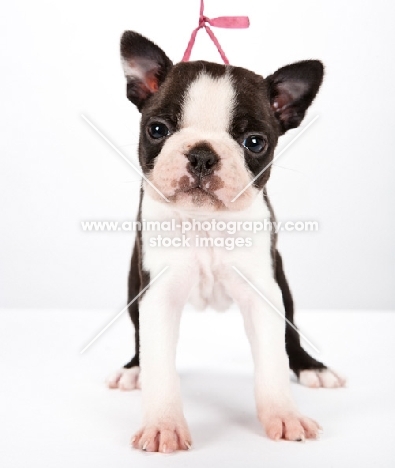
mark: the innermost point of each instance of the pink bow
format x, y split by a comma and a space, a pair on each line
230, 22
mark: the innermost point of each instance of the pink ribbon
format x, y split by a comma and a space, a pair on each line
230, 22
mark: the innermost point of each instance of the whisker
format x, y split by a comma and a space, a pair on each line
289, 168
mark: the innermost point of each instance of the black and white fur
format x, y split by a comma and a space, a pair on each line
194, 147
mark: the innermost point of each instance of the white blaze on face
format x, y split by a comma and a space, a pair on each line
209, 104
207, 114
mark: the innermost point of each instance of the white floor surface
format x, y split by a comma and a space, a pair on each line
55, 410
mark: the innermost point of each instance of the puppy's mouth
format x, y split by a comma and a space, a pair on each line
197, 188
200, 191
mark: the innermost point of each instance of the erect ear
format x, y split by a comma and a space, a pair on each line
292, 90
145, 66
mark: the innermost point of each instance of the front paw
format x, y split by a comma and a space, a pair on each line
163, 436
289, 425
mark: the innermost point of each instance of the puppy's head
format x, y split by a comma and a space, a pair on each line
208, 130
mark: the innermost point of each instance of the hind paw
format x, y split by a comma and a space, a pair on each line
321, 378
125, 379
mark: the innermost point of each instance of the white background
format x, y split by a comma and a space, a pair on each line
59, 60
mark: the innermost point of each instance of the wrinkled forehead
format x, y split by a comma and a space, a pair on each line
211, 97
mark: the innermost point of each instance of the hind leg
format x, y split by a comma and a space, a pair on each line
309, 371
127, 378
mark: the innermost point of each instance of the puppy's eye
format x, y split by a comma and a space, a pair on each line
254, 143
158, 130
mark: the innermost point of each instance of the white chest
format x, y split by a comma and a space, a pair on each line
205, 247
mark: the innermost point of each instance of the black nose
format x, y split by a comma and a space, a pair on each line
202, 160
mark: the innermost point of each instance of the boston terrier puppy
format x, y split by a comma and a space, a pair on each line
207, 131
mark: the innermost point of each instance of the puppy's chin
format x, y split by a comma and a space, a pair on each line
202, 200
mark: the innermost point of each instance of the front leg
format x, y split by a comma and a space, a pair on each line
266, 332
164, 427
